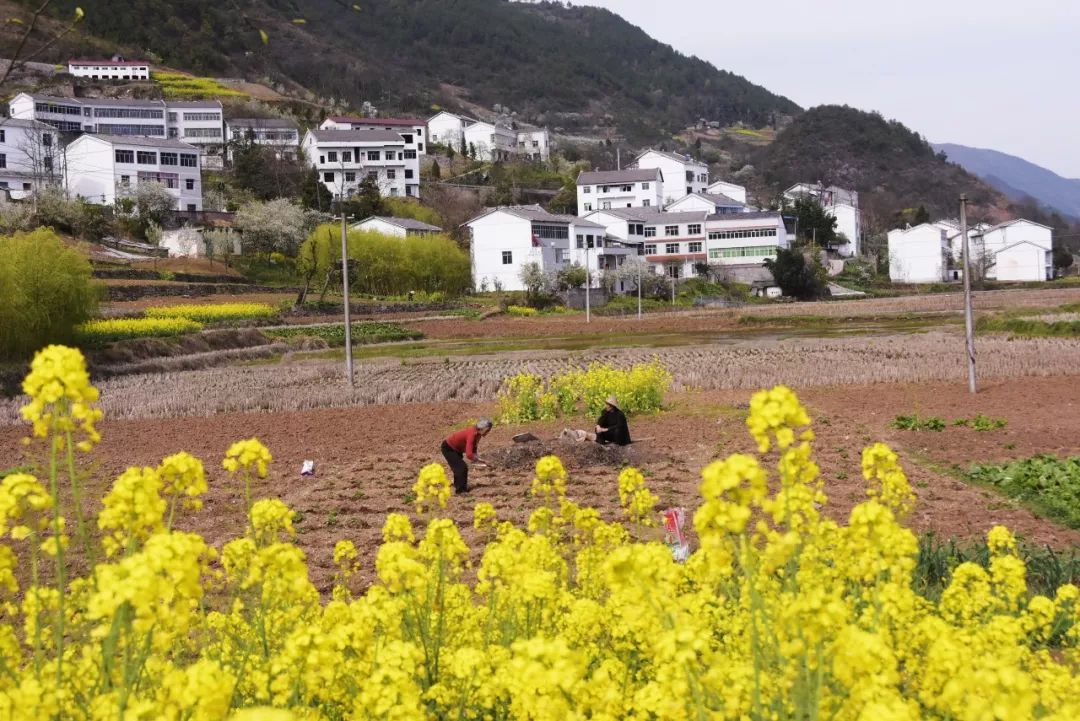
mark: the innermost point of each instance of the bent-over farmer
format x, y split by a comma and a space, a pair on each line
461, 446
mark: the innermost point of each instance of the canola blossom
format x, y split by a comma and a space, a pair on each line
780, 614
101, 332
213, 312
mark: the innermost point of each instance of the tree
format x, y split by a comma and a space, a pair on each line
815, 224
573, 277
46, 289
921, 216
153, 203
278, 225
534, 279
653, 285
798, 277
1063, 258
314, 195
436, 171
367, 201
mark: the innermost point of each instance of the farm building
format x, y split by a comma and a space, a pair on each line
398, 227
919, 254
506, 239
1018, 250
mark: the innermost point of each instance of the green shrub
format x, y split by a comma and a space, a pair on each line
1050, 484
915, 423
981, 423
1029, 327
362, 333
46, 290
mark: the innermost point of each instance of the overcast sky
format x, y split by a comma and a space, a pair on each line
997, 74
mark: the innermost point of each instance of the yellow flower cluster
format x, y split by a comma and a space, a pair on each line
101, 332
213, 313
640, 389
781, 613
247, 456
638, 502
521, 311
432, 488
61, 396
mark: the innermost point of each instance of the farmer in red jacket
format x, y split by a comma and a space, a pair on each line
461, 446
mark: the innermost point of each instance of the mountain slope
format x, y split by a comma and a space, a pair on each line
574, 67
1017, 177
891, 166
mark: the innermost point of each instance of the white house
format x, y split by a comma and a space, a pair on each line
448, 129
731, 190
674, 242
711, 203
101, 168
200, 123
742, 242
412, 131
276, 133
397, 227
343, 158
607, 189
491, 141
116, 69
504, 240
534, 143
30, 157
682, 174
841, 204
919, 254
1017, 250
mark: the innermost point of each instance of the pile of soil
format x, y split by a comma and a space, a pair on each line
573, 454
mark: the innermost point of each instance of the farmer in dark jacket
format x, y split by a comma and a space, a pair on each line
611, 426
461, 446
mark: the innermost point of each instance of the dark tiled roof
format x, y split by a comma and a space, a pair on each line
261, 123
407, 223
756, 215
633, 175
358, 136
139, 140
410, 122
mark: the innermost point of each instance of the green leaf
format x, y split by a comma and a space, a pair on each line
265, 38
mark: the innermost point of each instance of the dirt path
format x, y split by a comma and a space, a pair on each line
367, 458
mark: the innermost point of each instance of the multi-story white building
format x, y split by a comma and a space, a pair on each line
343, 158
1017, 250
534, 144
712, 203
682, 174
282, 136
30, 157
608, 189
673, 242
116, 69
918, 254
841, 204
102, 168
504, 240
397, 227
412, 131
448, 129
198, 122
731, 190
490, 141
742, 242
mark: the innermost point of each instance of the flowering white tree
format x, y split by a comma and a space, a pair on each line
277, 225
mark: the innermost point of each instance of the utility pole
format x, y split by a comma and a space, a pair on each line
969, 329
618, 158
345, 290
588, 284
639, 264
672, 269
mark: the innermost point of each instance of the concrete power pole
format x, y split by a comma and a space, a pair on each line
969, 328
345, 290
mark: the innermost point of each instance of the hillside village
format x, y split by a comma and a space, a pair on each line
664, 207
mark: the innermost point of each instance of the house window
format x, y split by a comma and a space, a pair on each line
46, 139
350, 176
3, 160
693, 229
46, 163
346, 156
605, 205
650, 249
146, 158
125, 156
26, 186
331, 156
393, 191
125, 180
391, 174
580, 241
373, 176
191, 207
408, 174
507, 257
187, 160
373, 155
328, 177
694, 247
588, 206
670, 230
170, 159
650, 231
671, 248
585, 189
189, 184
3, 136
410, 155
646, 203
644, 186
637, 229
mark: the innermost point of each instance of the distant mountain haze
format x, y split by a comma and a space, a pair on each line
1017, 178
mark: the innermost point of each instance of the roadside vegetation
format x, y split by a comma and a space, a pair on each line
334, 335
529, 397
